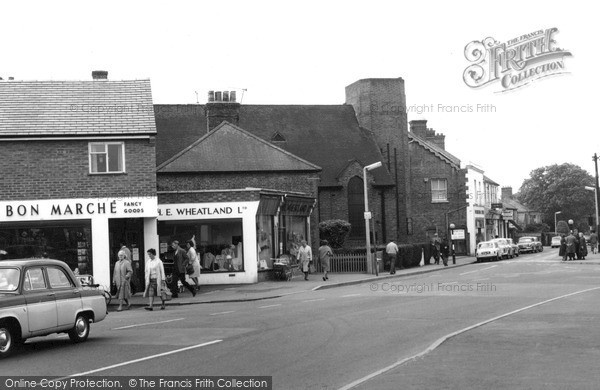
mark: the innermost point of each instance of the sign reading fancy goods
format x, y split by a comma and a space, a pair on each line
514, 63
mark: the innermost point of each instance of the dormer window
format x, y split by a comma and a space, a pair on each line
277, 137
107, 157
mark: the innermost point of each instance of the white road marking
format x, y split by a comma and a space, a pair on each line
223, 312
478, 270
264, 307
350, 295
143, 359
314, 300
447, 337
148, 323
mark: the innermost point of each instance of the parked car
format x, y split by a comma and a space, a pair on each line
507, 250
489, 250
39, 297
530, 244
555, 242
515, 248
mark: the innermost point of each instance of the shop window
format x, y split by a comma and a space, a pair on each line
264, 234
219, 243
439, 190
107, 157
69, 241
356, 206
295, 233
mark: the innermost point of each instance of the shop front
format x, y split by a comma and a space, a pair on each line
84, 233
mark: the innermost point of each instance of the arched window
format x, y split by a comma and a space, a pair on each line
356, 206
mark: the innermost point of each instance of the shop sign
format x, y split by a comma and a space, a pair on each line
457, 234
507, 214
207, 210
52, 209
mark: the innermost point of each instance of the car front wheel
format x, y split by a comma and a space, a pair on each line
81, 329
8, 341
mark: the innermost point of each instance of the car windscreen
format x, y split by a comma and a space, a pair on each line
525, 240
9, 279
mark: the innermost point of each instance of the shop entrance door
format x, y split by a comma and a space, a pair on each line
128, 232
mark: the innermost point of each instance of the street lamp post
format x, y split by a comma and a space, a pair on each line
571, 225
596, 201
555, 214
368, 217
452, 226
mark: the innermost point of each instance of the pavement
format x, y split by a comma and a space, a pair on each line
275, 288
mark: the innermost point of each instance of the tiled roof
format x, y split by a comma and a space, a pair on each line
229, 148
439, 152
76, 108
488, 180
325, 135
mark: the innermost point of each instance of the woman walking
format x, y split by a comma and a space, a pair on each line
121, 277
304, 258
325, 254
195, 262
155, 279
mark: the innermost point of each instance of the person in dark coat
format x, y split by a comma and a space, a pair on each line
571, 243
562, 252
582, 253
445, 251
180, 261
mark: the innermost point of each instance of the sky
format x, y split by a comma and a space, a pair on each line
276, 52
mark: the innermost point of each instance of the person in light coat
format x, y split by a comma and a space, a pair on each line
121, 277
304, 258
155, 279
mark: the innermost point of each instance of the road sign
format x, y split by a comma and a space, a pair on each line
496, 205
367, 215
457, 234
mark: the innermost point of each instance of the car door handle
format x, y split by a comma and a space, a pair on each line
75, 292
50, 294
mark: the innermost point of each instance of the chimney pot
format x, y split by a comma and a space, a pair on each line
100, 75
232, 96
211, 96
218, 96
225, 96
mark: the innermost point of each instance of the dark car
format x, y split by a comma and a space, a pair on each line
39, 297
530, 244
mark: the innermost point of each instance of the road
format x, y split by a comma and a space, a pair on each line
531, 322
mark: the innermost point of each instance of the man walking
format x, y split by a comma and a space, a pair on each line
180, 261
594, 241
392, 251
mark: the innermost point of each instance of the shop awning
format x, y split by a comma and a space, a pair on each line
513, 225
269, 205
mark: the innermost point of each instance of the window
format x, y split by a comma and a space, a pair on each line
34, 280
58, 278
439, 190
107, 157
356, 206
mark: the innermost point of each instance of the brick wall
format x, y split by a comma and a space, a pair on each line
60, 170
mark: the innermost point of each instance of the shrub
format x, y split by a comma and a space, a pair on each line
335, 231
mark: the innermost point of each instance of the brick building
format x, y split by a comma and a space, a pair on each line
78, 171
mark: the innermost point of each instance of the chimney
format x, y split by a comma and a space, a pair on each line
100, 75
507, 193
419, 128
221, 107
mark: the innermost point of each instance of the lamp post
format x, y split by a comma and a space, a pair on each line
596, 201
571, 225
452, 226
555, 214
368, 215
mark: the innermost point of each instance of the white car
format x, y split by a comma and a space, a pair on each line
489, 250
555, 242
505, 247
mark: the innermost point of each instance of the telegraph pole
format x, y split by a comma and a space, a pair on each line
595, 158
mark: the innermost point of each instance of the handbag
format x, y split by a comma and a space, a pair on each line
189, 268
166, 294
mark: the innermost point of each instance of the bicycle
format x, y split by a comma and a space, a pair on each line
88, 281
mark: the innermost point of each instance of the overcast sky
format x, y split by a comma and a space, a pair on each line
307, 52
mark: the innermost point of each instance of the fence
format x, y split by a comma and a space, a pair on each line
349, 262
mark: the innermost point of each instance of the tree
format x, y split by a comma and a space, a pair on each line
562, 227
559, 188
335, 231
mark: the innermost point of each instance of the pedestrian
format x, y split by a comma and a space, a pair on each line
325, 254
562, 252
594, 241
195, 262
436, 246
180, 261
582, 247
570, 242
445, 251
123, 247
155, 279
121, 277
304, 258
392, 251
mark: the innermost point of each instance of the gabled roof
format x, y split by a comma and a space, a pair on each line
488, 180
76, 108
511, 203
326, 135
228, 148
439, 152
